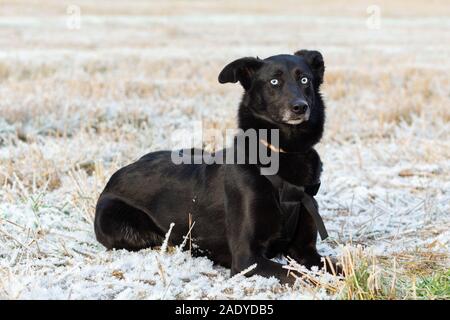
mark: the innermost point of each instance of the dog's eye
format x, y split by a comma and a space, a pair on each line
304, 80
274, 82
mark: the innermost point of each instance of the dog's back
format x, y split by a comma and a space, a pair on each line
154, 188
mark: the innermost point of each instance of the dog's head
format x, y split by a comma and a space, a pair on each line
281, 89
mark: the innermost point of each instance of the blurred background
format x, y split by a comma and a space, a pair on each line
89, 86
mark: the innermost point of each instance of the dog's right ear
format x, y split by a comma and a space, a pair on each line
241, 70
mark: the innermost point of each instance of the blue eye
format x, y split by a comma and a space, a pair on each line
304, 80
274, 82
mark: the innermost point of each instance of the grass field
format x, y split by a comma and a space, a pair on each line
78, 101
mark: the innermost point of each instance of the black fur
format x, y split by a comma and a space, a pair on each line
237, 218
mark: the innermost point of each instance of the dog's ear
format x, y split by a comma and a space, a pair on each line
241, 70
315, 61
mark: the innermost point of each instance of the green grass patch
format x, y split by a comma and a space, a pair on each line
436, 286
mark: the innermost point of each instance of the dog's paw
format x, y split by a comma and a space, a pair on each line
333, 266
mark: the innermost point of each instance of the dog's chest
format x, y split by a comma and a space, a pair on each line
289, 199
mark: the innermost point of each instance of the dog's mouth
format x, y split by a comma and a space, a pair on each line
296, 121
286, 119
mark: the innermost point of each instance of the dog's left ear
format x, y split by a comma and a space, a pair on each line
241, 70
315, 61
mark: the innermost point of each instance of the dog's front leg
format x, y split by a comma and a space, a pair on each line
253, 223
303, 246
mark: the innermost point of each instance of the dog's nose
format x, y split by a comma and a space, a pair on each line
300, 107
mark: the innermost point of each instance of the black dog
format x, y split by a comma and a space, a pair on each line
241, 217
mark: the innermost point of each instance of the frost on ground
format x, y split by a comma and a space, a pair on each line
75, 105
